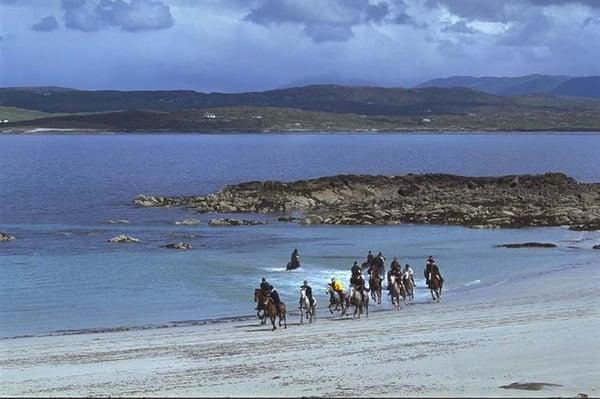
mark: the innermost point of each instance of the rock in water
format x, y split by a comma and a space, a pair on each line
177, 245
117, 221
234, 222
596, 246
528, 245
122, 238
6, 237
188, 222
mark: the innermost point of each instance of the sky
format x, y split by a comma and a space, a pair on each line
242, 45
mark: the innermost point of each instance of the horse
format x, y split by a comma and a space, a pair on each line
273, 312
293, 264
335, 301
360, 305
306, 308
375, 287
435, 287
408, 284
259, 298
397, 290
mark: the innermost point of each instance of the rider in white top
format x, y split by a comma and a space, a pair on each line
408, 273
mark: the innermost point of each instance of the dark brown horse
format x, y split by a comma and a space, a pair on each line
260, 298
375, 287
435, 286
273, 311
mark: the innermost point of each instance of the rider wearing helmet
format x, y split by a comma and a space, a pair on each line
358, 283
337, 287
307, 288
432, 268
407, 273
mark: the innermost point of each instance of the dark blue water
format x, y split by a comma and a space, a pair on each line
56, 192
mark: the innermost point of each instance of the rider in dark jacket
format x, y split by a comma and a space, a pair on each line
274, 295
356, 269
431, 267
307, 288
358, 282
369, 258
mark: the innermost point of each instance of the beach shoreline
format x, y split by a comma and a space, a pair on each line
472, 343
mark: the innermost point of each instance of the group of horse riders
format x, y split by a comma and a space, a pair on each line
375, 267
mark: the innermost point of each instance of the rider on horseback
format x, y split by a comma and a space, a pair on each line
274, 295
337, 286
395, 262
358, 283
264, 287
307, 288
369, 258
396, 272
432, 268
356, 268
408, 273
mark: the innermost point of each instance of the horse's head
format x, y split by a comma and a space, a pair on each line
257, 294
302, 292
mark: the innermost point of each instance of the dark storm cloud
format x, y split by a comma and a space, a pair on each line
46, 24
329, 20
133, 15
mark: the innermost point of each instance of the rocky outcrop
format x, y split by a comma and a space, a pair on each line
178, 245
596, 246
595, 225
117, 221
6, 237
234, 222
188, 222
551, 199
123, 239
527, 245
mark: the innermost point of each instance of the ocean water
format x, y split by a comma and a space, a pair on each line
57, 191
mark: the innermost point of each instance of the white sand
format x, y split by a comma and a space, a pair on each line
545, 329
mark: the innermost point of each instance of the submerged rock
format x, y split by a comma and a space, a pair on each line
528, 245
188, 222
6, 237
596, 246
178, 245
117, 221
123, 238
234, 222
529, 386
591, 226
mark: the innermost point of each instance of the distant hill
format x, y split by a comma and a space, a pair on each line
529, 84
329, 79
323, 98
579, 87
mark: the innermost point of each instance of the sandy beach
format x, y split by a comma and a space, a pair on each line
542, 329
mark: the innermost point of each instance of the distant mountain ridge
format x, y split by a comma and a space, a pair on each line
528, 84
579, 87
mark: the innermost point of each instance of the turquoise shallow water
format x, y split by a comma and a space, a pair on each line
61, 273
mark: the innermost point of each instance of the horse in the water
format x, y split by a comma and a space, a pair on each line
306, 309
435, 287
360, 305
273, 311
259, 298
375, 287
335, 301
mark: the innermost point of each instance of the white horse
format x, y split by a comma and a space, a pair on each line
397, 291
306, 310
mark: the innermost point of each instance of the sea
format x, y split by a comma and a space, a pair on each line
57, 192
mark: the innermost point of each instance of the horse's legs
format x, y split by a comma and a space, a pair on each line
273, 322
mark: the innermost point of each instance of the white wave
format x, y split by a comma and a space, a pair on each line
470, 283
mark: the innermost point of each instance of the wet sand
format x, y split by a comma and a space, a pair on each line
540, 330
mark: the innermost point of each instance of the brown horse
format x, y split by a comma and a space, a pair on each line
410, 288
260, 298
273, 311
335, 301
435, 287
375, 287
